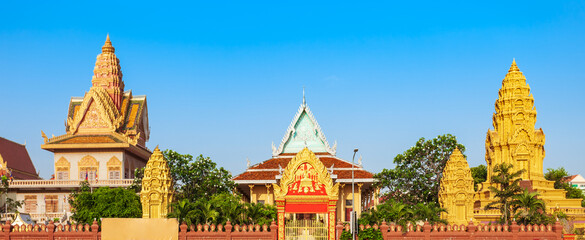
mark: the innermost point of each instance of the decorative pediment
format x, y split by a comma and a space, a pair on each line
306, 175
96, 111
304, 131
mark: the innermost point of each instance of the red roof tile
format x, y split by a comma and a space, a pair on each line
17, 159
274, 163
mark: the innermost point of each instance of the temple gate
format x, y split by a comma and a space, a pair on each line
306, 199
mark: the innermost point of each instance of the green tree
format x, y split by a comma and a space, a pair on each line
507, 185
430, 212
103, 202
182, 211
557, 176
199, 178
137, 183
416, 177
479, 175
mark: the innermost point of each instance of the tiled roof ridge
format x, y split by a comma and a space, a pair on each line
24, 145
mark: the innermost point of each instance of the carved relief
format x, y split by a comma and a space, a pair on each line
306, 171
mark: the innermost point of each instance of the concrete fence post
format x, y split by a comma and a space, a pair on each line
338, 230
515, 229
274, 230
384, 229
228, 230
471, 228
6, 230
51, 230
183, 231
558, 229
427, 230
95, 230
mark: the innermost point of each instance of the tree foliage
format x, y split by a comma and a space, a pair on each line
416, 177
479, 175
103, 202
558, 175
402, 214
199, 178
529, 209
507, 185
221, 208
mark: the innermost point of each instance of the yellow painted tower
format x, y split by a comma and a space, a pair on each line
456, 193
515, 140
156, 194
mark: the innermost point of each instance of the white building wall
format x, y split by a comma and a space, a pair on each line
102, 157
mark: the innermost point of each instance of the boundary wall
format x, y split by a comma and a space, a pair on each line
461, 232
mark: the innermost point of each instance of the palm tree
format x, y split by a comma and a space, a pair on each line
396, 212
429, 212
182, 211
509, 186
206, 211
530, 206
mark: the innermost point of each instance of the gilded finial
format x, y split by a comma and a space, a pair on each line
108, 48
304, 101
156, 149
514, 67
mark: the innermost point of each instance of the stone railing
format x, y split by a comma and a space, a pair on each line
69, 183
461, 232
228, 232
50, 231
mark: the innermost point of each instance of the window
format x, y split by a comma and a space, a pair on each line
30, 203
261, 201
63, 175
52, 203
114, 174
348, 202
88, 173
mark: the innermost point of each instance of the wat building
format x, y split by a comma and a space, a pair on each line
104, 142
309, 185
514, 140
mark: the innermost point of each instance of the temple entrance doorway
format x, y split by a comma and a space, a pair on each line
306, 226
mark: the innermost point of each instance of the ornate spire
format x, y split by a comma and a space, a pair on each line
514, 67
108, 48
156, 194
514, 139
456, 192
107, 73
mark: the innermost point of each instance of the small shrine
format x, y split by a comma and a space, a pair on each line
156, 194
456, 193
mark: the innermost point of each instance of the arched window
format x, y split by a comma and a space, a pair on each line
62, 169
88, 168
114, 168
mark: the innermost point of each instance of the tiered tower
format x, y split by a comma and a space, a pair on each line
156, 194
108, 74
515, 141
456, 193
106, 129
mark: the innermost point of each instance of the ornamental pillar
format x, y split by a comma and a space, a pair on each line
268, 197
252, 195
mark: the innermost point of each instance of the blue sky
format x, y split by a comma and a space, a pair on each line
225, 79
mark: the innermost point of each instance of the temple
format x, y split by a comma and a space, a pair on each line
310, 186
515, 141
106, 131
